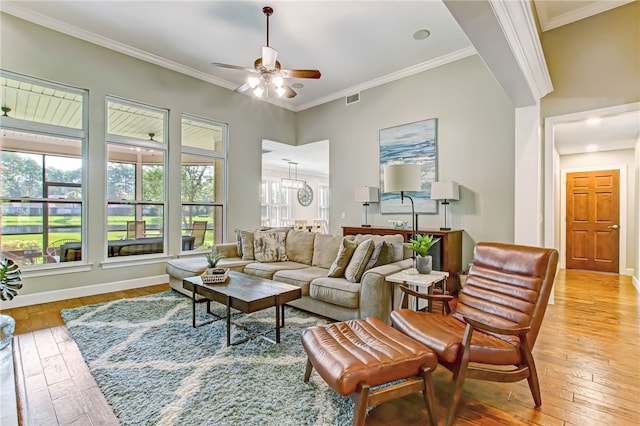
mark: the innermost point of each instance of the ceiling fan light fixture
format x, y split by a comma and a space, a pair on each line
278, 81
280, 91
253, 82
258, 91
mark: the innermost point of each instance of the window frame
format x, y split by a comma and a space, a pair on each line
53, 130
129, 141
218, 237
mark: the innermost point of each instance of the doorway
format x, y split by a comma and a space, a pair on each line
592, 224
619, 154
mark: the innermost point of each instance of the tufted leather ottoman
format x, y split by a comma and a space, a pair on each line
354, 356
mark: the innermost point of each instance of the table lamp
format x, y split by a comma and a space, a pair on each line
366, 195
445, 191
404, 178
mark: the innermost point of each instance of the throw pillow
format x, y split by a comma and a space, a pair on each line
347, 247
358, 261
269, 246
239, 242
247, 245
382, 254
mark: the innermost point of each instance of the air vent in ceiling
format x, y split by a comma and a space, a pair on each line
352, 99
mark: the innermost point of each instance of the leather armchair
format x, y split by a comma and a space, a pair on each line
495, 321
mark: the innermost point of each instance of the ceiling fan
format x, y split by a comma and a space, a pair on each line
267, 73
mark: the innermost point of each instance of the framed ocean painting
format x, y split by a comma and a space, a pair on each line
410, 143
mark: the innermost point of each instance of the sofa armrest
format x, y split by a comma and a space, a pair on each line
375, 291
229, 250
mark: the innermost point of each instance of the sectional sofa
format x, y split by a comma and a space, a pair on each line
341, 277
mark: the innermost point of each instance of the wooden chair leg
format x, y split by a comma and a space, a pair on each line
534, 384
459, 375
428, 394
360, 410
308, 371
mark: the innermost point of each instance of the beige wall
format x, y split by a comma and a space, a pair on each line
594, 62
475, 146
39, 52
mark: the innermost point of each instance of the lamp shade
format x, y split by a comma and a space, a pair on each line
366, 194
402, 177
445, 190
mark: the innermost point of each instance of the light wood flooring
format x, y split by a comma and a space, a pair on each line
587, 354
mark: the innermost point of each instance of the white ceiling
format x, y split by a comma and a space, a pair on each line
355, 44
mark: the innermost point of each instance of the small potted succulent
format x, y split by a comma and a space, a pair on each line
213, 258
421, 245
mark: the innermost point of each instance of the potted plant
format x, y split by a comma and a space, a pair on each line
213, 258
421, 245
10, 283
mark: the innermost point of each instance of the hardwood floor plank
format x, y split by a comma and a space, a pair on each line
29, 355
55, 369
99, 409
46, 343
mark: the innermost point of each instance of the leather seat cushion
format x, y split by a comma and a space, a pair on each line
444, 333
364, 350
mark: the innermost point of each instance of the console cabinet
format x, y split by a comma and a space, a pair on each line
447, 253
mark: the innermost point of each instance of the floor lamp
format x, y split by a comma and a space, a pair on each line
404, 178
445, 191
366, 195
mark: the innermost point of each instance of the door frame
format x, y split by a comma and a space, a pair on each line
552, 181
622, 220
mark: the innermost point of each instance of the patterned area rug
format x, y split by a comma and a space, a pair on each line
155, 369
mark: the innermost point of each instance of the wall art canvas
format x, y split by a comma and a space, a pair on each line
410, 143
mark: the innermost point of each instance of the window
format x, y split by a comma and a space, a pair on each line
276, 204
136, 181
323, 202
42, 179
202, 177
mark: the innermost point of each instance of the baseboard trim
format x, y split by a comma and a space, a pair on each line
90, 290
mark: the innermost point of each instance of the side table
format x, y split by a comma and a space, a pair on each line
411, 277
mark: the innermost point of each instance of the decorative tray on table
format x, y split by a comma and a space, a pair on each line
215, 278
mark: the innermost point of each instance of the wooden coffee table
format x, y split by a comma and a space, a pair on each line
245, 293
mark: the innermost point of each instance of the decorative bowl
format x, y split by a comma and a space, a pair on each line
399, 224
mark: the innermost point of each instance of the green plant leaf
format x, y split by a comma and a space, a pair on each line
10, 279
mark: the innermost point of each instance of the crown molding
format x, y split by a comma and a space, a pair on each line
13, 8
518, 26
424, 66
16, 10
581, 13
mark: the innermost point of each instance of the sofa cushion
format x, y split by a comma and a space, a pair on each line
187, 267
381, 255
396, 242
359, 261
325, 249
247, 245
266, 270
339, 265
299, 247
300, 277
337, 291
269, 246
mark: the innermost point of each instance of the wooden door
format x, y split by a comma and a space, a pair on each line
593, 211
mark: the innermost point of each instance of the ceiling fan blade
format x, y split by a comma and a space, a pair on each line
233, 67
243, 88
290, 93
301, 73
